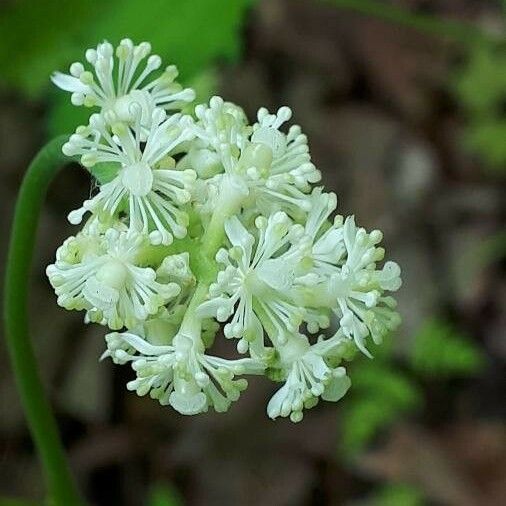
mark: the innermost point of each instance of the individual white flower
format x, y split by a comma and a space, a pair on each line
99, 274
255, 284
115, 89
356, 289
181, 374
221, 123
276, 167
308, 377
284, 182
327, 237
147, 183
158, 330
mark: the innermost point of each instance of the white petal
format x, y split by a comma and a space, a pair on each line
69, 83
389, 277
210, 308
276, 401
143, 346
336, 389
190, 404
237, 234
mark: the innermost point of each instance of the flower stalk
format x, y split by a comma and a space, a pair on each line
41, 421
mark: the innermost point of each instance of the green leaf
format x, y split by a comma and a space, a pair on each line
40, 37
398, 494
363, 418
190, 34
164, 495
387, 385
481, 83
480, 86
48, 36
380, 395
486, 137
63, 117
205, 84
441, 351
11, 501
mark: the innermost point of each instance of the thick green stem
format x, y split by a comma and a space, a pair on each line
232, 192
41, 421
192, 325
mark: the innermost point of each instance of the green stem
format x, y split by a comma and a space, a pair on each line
41, 421
190, 324
232, 192
459, 31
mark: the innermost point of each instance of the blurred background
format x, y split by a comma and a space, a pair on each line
404, 103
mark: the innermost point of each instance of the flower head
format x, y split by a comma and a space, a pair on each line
286, 180
206, 221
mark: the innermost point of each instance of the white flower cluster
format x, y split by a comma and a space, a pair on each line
203, 218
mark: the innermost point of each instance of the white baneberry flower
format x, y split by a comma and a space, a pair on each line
327, 237
255, 284
275, 167
308, 376
100, 274
348, 281
147, 183
220, 126
221, 123
181, 374
280, 163
115, 83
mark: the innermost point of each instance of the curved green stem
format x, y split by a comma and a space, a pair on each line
41, 421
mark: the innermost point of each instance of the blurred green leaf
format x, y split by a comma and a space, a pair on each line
392, 387
11, 501
205, 84
164, 495
481, 83
487, 137
379, 397
480, 87
63, 117
39, 37
441, 351
190, 34
363, 418
48, 36
398, 494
